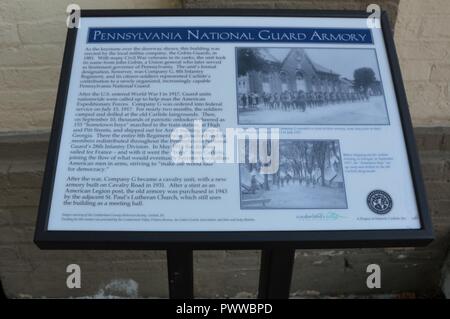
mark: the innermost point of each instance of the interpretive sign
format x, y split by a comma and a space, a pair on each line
232, 129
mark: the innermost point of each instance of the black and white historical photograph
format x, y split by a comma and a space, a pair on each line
309, 175
309, 86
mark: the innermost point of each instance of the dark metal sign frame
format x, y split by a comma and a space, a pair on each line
230, 239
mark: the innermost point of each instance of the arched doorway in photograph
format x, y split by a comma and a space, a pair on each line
300, 81
266, 83
284, 81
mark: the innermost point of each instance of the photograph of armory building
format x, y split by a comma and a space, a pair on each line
287, 86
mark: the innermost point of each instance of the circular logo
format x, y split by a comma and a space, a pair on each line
379, 202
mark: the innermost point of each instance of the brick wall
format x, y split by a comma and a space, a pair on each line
31, 43
27, 271
422, 35
32, 35
389, 5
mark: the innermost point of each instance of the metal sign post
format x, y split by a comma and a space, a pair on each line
276, 273
181, 274
274, 279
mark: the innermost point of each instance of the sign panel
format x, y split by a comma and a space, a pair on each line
235, 129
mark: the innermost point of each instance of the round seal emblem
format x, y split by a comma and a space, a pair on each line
379, 202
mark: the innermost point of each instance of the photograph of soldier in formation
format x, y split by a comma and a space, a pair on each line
310, 176
309, 86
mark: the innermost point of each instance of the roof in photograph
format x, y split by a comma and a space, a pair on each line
279, 55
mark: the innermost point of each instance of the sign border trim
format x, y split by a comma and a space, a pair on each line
46, 239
